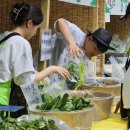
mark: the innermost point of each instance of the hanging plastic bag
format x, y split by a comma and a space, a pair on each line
90, 71
117, 70
117, 44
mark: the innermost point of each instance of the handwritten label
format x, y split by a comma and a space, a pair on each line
31, 93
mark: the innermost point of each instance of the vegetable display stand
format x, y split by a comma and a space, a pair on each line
102, 101
80, 119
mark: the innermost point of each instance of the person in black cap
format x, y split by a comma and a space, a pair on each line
77, 42
125, 93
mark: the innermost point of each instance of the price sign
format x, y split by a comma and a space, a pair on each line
31, 93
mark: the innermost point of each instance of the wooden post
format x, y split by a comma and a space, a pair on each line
95, 26
45, 7
101, 23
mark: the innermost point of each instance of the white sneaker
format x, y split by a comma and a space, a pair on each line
124, 118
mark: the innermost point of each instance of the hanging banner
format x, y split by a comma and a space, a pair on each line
91, 3
117, 7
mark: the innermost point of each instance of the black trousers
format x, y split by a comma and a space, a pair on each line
124, 112
17, 98
128, 114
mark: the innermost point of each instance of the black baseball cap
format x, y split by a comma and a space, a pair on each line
127, 13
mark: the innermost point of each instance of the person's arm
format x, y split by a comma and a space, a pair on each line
50, 70
63, 27
23, 71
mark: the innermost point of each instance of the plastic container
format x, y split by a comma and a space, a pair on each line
76, 120
105, 84
102, 101
61, 124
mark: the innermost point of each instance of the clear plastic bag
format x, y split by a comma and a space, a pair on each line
64, 58
117, 70
55, 85
85, 68
90, 71
117, 44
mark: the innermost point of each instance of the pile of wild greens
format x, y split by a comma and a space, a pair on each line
63, 103
38, 124
77, 71
127, 51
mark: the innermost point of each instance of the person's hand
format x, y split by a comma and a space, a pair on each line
61, 71
117, 107
74, 50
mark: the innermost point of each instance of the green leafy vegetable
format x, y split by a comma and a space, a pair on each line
78, 73
127, 51
38, 124
64, 103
